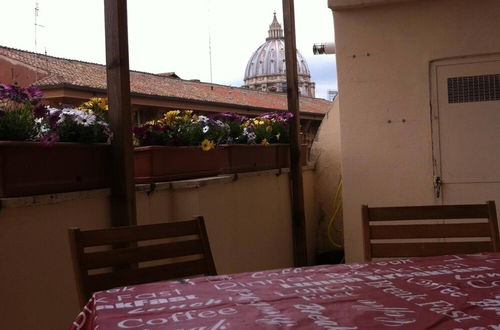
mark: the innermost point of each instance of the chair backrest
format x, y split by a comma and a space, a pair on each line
418, 233
119, 256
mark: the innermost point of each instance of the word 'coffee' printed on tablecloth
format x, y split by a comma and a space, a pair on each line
141, 323
176, 318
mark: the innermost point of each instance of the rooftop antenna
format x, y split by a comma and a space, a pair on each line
209, 42
37, 9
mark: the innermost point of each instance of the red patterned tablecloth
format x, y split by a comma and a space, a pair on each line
447, 292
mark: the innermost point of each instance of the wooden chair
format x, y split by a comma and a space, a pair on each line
412, 237
120, 259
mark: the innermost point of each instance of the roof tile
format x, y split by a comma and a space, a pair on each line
61, 71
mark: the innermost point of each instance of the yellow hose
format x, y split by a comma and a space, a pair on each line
337, 206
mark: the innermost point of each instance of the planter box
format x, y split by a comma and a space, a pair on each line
29, 168
160, 163
247, 158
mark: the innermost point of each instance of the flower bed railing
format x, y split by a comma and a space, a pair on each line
49, 150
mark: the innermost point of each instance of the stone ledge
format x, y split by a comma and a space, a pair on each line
353, 4
38, 200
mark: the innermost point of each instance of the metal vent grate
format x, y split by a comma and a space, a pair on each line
474, 88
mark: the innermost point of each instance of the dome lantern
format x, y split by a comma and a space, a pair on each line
275, 30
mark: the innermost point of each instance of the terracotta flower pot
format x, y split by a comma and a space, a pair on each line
29, 168
161, 163
257, 157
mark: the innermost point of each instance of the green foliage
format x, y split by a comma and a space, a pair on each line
18, 124
70, 131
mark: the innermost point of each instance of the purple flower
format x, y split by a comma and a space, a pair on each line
16, 94
228, 116
40, 111
279, 116
158, 128
54, 118
139, 131
148, 134
49, 139
34, 92
3, 91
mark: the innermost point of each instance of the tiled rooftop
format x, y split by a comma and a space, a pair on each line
60, 72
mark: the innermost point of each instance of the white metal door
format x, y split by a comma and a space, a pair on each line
466, 129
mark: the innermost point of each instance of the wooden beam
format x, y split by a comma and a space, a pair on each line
297, 189
123, 210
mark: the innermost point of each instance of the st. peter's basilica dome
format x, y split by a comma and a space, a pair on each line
266, 69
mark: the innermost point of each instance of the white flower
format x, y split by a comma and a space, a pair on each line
205, 129
85, 119
62, 118
69, 111
203, 119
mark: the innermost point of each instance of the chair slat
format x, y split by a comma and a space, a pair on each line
473, 211
124, 255
107, 281
393, 250
139, 233
430, 231
467, 228
117, 257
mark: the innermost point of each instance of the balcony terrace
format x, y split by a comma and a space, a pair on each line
391, 135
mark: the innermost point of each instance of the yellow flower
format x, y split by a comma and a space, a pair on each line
95, 103
207, 145
102, 104
269, 129
264, 142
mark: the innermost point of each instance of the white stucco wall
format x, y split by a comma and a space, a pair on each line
383, 60
326, 153
248, 223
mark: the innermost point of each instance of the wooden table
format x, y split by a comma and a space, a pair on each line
447, 292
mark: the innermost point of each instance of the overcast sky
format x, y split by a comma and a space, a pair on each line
168, 35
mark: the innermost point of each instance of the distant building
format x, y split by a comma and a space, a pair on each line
266, 70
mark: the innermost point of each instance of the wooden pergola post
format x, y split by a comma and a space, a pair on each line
297, 189
123, 210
